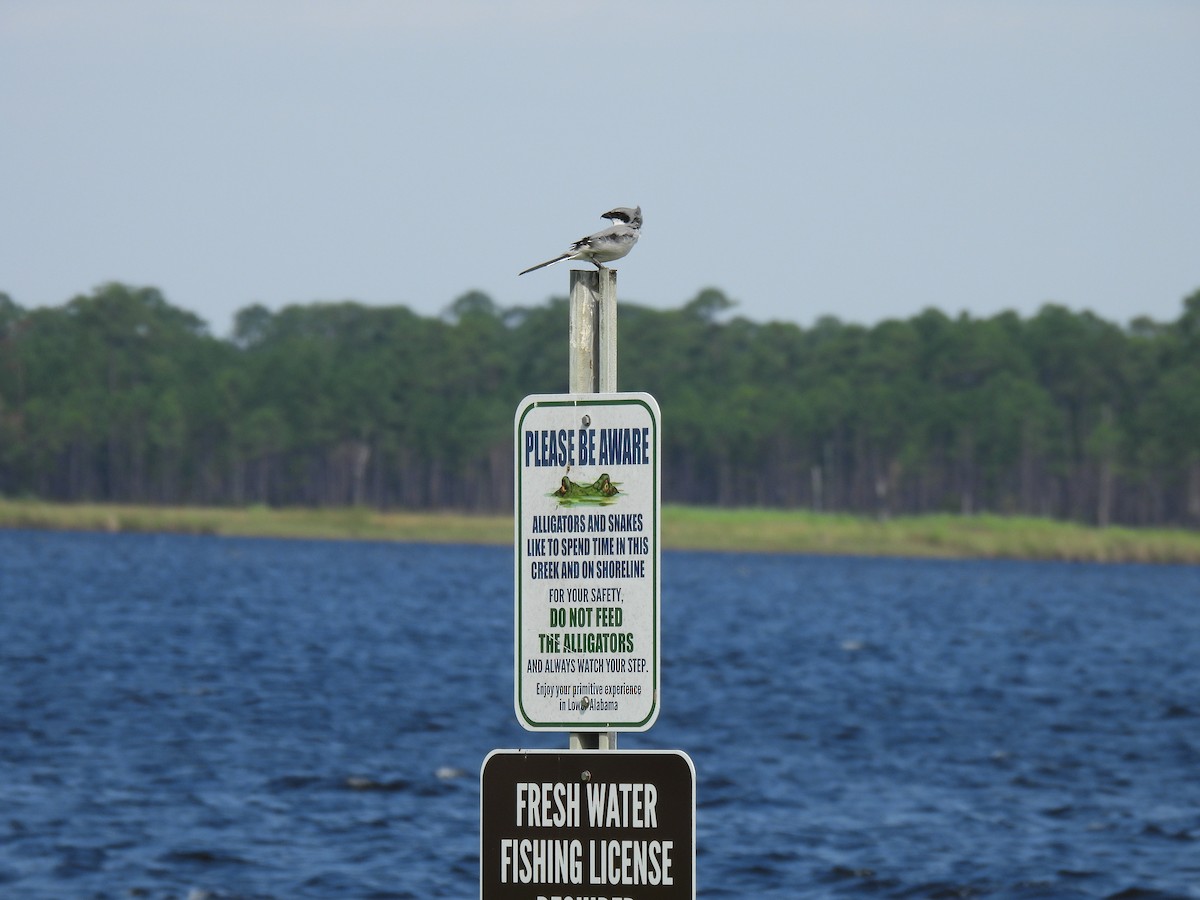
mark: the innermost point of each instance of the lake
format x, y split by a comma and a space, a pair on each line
198, 717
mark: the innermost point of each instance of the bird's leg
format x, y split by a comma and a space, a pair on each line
598, 266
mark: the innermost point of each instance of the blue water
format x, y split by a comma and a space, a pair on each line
214, 718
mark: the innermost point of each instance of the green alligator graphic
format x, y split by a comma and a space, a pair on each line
603, 492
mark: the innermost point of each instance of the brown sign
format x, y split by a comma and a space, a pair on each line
579, 825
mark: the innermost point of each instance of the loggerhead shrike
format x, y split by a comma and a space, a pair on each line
607, 245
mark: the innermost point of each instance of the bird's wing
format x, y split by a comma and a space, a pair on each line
611, 243
601, 238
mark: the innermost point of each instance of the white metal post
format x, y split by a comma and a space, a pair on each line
592, 344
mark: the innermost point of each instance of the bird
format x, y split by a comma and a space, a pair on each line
604, 246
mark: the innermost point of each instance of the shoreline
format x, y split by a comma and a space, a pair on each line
684, 528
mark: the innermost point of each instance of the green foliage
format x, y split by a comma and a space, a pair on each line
118, 396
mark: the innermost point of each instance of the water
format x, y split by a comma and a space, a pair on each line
214, 718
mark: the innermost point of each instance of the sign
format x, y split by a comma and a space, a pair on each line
579, 825
587, 562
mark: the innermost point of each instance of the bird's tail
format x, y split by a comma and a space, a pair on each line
548, 262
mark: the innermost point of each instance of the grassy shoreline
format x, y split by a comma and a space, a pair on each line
684, 528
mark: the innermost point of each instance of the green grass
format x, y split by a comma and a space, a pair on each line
350, 523
944, 536
696, 528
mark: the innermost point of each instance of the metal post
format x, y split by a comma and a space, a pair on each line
592, 345
606, 315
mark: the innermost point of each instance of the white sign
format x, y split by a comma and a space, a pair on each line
587, 562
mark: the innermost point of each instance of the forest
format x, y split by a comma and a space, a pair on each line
119, 396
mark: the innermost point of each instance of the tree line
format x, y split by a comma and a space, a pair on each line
120, 396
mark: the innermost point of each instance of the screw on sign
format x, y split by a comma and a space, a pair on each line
610, 825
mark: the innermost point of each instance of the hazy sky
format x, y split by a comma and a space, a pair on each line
861, 158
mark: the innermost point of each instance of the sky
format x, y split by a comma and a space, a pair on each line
865, 159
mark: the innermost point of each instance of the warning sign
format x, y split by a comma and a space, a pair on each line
587, 562
576, 825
